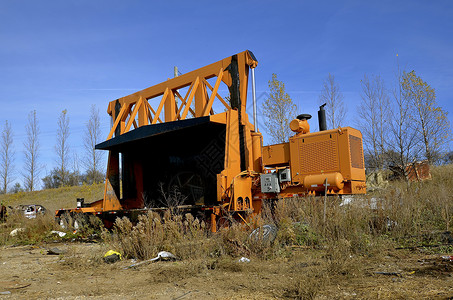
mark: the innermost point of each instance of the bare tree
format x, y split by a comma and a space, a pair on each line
433, 127
403, 137
62, 146
93, 157
6, 157
331, 95
373, 116
31, 153
278, 111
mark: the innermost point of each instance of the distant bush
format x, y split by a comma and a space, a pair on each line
55, 180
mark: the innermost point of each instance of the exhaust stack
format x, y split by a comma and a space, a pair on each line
322, 118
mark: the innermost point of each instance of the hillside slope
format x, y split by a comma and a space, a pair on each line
52, 199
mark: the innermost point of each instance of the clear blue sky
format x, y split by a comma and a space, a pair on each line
57, 55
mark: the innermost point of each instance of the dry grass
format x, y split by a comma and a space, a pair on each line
53, 199
37, 230
30, 231
402, 215
367, 229
309, 259
184, 236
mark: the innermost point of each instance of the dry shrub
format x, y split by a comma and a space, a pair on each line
88, 225
232, 241
416, 210
371, 222
301, 222
366, 226
257, 241
185, 237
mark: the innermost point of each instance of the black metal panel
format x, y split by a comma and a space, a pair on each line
195, 154
235, 97
190, 153
322, 118
236, 103
148, 131
252, 55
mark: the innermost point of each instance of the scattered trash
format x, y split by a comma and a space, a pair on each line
448, 257
112, 256
377, 180
416, 171
30, 211
55, 251
360, 201
5, 293
60, 233
165, 256
161, 256
16, 231
265, 233
244, 260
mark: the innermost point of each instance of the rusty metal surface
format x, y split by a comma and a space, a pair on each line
416, 171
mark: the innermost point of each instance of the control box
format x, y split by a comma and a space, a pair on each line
284, 175
269, 183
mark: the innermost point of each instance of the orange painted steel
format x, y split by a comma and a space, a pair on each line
299, 126
335, 155
138, 103
306, 161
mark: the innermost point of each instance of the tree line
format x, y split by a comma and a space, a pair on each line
400, 124
63, 174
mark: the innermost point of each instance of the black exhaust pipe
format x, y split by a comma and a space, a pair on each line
322, 118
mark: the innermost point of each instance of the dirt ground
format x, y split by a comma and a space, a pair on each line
28, 272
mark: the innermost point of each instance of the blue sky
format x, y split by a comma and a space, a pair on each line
57, 55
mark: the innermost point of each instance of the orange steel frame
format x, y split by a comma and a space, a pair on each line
137, 104
238, 184
133, 111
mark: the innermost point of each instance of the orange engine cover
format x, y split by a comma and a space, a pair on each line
336, 153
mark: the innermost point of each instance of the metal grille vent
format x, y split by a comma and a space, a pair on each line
355, 145
318, 156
